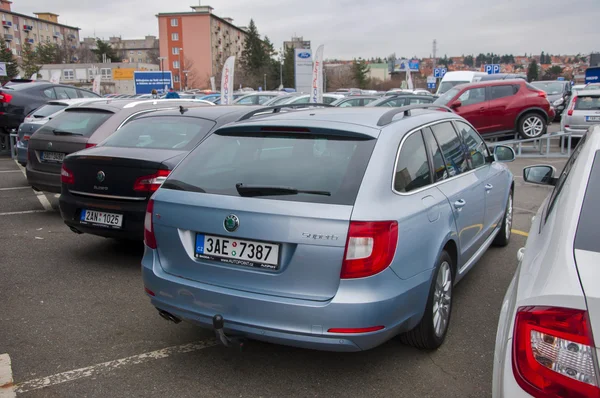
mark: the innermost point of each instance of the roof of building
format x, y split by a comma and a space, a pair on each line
167, 14
40, 19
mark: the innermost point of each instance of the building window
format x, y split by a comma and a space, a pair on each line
106, 73
139, 60
176, 78
174, 22
175, 50
139, 53
175, 64
130, 52
174, 36
68, 74
17, 41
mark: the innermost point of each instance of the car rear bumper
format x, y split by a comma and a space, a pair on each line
506, 385
48, 182
380, 300
21, 152
133, 215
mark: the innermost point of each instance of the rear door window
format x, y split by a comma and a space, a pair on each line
412, 166
76, 122
414, 101
472, 96
350, 103
587, 103
395, 103
49, 93
477, 151
330, 164
501, 91
452, 148
439, 166
161, 132
65, 92
87, 94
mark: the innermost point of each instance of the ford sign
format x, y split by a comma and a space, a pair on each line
304, 55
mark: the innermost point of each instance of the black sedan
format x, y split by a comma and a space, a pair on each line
395, 101
105, 189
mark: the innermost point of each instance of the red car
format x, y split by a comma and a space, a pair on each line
501, 107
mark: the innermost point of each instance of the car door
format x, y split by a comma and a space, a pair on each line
474, 107
500, 98
491, 173
465, 191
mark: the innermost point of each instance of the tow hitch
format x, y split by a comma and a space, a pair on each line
230, 342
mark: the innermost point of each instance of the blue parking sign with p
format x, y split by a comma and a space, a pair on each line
492, 69
439, 72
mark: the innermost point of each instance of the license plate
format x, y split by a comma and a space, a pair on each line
53, 156
238, 252
101, 218
592, 118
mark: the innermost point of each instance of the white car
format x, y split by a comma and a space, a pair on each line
545, 346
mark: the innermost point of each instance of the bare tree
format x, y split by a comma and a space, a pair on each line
192, 79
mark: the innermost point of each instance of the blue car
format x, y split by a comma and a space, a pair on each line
333, 229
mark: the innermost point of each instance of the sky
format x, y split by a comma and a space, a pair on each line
361, 28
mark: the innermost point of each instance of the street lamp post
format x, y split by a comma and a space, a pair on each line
180, 68
162, 71
185, 72
265, 85
281, 69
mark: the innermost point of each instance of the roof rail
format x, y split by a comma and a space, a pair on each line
163, 100
388, 117
277, 108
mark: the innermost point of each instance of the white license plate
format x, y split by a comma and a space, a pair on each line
53, 156
592, 118
236, 251
101, 218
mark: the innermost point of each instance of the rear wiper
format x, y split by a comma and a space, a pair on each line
181, 186
265, 190
63, 132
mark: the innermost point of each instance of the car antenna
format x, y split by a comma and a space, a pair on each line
182, 109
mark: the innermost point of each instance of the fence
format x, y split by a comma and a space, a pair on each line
541, 146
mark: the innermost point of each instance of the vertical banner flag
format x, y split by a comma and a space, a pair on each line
227, 81
408, 76
55, 78
213, 86
34, 76
316, 94
96, 85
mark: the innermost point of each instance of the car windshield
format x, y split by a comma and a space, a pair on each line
305, 162
76, 122
550, 88
447, 96
161, 132
47, 110
588, 103
447, 85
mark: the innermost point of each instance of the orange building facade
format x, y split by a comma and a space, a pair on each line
196, 44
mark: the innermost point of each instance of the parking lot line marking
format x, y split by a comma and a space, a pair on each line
13, 188
40, 195
6, 380
14, 213
525, 210
109, 366
9, 171
517, 232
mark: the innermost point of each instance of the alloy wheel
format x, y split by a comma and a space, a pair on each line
442, 299
533, 126
508, 217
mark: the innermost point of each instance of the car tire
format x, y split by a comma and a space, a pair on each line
503, 236
532, 125
431, 331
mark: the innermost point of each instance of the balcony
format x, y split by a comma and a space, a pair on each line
8, 37
30, 41
71, 36
27, 28
57, 34
7, 24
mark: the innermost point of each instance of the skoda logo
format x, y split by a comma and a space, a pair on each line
231, 223
49, 145
100, 176
304, 55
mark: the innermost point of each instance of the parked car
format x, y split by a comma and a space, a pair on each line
19, 99
452, 79
305, 99
258, 97
578, 87
361, 100
592, 86
334, 231
399, 100
217, 101
558, 91
282, 99
79, 128
550, 316
500, 107
503, 76
41, 116
105, 189
583, 112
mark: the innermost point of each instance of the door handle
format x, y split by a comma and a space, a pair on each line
459, 204
488, 187
482, 109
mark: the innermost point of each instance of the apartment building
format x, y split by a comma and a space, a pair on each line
194, 45
17, 29
297, 42
136, 50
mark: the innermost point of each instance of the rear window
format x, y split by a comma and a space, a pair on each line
80, 122
161, 132
306, 162
551, 88
587, 103
47, 110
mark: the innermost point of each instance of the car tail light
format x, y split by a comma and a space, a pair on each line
554, 353
152, 182
88, 145
542, 94
370, 248
66, 175
572, 107
149, 237
5, 98
26, 137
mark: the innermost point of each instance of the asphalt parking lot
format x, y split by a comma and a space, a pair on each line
75, 322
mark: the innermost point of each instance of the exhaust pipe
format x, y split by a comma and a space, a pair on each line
168, 316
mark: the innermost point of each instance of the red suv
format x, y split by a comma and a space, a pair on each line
500, 107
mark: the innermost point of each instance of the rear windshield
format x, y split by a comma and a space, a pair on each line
306, 162
47, 110
587, 103
550, 88
80, 122
161, 132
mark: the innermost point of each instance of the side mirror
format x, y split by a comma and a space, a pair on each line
542, 174
503, 153
456, 104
